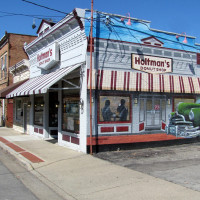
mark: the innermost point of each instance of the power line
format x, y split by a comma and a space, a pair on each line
26, 15
193, 46
45, 7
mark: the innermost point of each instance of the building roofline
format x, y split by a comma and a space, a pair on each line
171, 33
121, 16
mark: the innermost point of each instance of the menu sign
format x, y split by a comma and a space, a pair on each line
151, 64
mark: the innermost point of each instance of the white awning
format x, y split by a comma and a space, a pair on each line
143, 82
42, 83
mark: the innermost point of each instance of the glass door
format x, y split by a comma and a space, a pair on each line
153, 113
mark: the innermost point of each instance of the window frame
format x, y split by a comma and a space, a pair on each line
111, 95
38, 105
18, 111
71, 100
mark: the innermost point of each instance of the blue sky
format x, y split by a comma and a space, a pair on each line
169, 15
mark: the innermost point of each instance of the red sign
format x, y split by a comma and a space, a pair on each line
157, 107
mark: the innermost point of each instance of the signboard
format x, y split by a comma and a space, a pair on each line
46, 58
151, 64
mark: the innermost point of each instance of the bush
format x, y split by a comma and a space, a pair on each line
185, 108
195, 116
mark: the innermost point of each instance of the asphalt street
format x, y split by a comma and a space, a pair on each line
11, 187
17, 183
179, 164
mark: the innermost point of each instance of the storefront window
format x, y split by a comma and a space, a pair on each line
142, 110
183, 100
163, 106
114, 108
38, 111
18, 109
70, 114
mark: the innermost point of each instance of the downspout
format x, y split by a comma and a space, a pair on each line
91, 38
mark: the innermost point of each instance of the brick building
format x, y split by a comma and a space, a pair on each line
11, 52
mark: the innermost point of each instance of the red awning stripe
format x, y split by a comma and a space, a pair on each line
41, 83
125, 81
145, 82
128, 81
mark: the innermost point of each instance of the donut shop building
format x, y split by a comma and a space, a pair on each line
139, 75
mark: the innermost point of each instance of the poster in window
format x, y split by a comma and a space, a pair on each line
114, 108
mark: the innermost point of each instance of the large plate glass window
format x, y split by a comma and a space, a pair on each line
38, 110
70, 103
182, 100
18, 109
70, 114
114, 108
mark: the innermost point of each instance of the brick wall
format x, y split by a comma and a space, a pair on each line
12, 45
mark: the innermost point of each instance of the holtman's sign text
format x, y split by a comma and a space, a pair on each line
151, 64
47, 58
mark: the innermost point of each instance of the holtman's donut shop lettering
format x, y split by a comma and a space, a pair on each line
46, 58
46, 55
151, 64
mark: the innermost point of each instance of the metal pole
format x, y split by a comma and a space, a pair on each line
91, 38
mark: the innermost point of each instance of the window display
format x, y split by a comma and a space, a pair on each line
38, 111
70, 114
18, 109
114, 108
182, 100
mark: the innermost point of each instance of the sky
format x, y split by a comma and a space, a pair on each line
178, 16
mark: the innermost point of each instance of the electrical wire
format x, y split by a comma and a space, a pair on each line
27, 15
45, 7
139, 21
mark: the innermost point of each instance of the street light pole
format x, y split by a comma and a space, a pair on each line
91, 38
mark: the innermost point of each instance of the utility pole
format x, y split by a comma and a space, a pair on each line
91, 39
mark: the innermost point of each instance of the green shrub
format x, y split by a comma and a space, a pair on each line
196, 116
184, 109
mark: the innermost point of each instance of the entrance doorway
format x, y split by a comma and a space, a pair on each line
53, 114
154, 109
25, 117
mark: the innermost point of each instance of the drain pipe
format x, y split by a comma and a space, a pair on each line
91, 38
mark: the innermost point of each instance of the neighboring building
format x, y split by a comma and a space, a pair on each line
11, 52
21, 108
139, 75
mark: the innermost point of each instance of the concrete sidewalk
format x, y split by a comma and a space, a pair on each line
75, 175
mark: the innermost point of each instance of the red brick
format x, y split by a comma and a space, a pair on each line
31, 157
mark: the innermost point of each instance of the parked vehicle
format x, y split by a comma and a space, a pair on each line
179, 127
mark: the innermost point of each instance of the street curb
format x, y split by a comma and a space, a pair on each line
25, 163
22, 160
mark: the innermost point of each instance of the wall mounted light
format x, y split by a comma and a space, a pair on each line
81, 105
29, 104
129, 20
168, 101
135, 100
42, 104
185, 39
57, 104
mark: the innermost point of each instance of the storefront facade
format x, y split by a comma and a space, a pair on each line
139, 75
148, 98
57, 82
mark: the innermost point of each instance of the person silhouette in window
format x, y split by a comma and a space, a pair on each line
123, 111
106, 112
